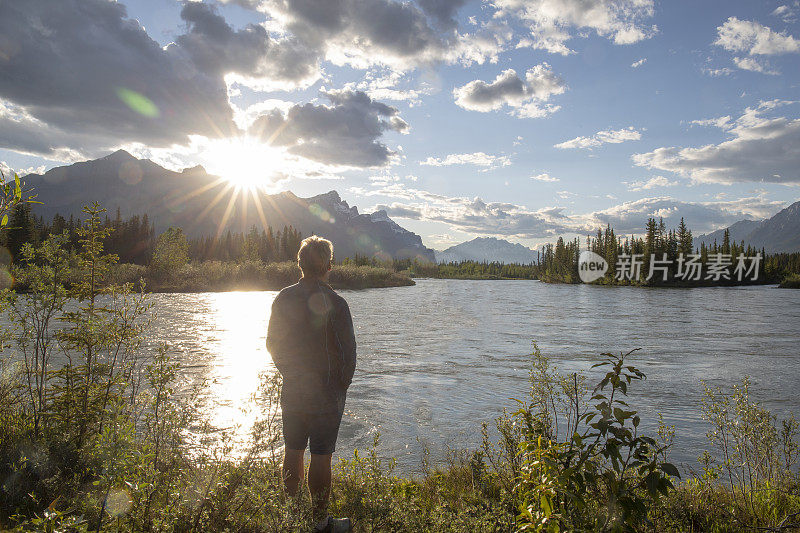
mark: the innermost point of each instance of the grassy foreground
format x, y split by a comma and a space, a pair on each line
219, 276
146, 476
142, 474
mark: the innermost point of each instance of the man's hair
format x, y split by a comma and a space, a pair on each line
315, 255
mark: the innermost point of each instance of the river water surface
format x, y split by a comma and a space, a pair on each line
437, 359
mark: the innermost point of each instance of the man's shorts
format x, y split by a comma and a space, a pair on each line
317, 431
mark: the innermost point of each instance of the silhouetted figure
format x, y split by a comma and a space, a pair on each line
312, 342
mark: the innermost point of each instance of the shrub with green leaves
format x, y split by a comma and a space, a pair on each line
603, 475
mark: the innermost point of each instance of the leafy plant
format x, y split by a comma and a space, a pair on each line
12, 193
604, 476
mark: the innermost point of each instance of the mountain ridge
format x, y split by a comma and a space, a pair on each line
203, 204
779, 233
490, 249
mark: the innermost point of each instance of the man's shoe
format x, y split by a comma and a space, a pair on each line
336, 525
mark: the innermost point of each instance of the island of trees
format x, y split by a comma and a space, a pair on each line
667, 258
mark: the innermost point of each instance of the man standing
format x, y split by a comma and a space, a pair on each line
311, 340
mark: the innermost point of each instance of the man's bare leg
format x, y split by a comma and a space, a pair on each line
292, 470
319, 484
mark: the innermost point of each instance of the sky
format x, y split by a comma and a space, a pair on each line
520, 119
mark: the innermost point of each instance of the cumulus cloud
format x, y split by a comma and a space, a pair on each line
639, 63
701, 217
369, 32
524, 97
754, 38
551, 21
479, 159
345, 133
754, 65
217, 49
477, 216
760, 149
545, 177
79, 77
652, 183
387, 84
602, 137
474, 215
83, 67
8, 172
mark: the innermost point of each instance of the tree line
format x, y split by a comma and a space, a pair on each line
672, 252
134, 239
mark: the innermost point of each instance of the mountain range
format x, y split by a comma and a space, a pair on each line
780, 233
487, 249
203, 204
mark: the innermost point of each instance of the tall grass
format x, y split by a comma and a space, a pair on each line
251, 275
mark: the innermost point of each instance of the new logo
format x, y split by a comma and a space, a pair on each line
591, 266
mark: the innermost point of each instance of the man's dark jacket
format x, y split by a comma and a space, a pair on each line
312, 343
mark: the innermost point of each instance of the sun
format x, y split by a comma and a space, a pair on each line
244, 162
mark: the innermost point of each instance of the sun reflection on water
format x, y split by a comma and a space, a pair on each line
239, 362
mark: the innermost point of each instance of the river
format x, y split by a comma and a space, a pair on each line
437, 359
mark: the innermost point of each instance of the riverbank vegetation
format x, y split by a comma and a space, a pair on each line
260, 260
466, 270
791, 281
172, 262
94, 436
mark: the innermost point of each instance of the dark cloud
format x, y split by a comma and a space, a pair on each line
66, 62
367, 32
216, 49
80, 76
346, 133
442, 11
482, 96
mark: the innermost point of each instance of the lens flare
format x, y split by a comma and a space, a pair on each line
138, 102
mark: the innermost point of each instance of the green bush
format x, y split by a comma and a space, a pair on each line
791, 281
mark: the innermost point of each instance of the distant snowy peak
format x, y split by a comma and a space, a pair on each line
488, 249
